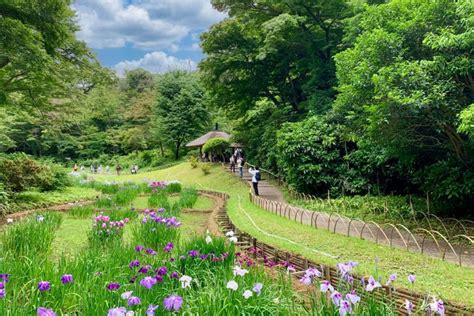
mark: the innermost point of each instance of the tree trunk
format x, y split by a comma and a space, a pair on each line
178, 145
162, 150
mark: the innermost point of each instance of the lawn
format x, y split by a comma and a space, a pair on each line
434, 276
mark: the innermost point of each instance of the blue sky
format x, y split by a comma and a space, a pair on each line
158, 35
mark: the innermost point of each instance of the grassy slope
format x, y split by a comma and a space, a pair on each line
433, 275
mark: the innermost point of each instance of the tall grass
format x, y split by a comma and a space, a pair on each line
81, 212
188, 198
32, 236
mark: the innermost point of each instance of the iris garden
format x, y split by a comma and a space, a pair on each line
144, 262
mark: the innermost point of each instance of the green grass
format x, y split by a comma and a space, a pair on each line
434, 276
204, 203
33, 199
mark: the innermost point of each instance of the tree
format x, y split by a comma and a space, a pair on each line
139, 80
39, 54
180, 114
216, 146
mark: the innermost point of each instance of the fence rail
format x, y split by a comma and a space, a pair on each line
396, 295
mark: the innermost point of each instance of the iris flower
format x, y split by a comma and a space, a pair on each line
239, 271
134, 300
43, 311
345, 308
232, 285
208, 239
372, 284
247, 294
325, 286
173, 302
257, 288
2, 293
4, 277
126, 295
117, 311
409, 307
150, 311
67, 278
185, 281
391, 279
437, 307
168, 247
336, 298
134, 263
412, 278
113, 286
44, 286
148, 282
353, 297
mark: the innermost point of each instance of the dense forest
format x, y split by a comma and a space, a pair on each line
348, 97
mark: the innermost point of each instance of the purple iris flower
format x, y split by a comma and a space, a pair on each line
134, 263
257, 288
325, 286
173, 302
193, 253
144, 269
336, 297
148, 282
345, 308
372, 284
139, 248
113, 286
133, 279
353, 297
391, 279
2, 293
117, 311
67, 278
412, 278
159, 278
306, 280
42, 311
4, 277
2, 285
150, 311
203, 257
134, 300
162, 271
44, 286
409, 307
174, 275
151, 252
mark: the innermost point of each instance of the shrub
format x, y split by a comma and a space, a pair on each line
173, 187
188, 198
194, 162
206, 168
20, 172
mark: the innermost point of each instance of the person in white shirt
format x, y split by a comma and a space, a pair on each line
255, 179
232, 163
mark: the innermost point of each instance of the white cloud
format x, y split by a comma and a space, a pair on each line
144, 24
156, 62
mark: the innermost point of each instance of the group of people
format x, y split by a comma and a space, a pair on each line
237, 160
98, 169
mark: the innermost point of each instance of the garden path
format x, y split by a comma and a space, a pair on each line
394, 236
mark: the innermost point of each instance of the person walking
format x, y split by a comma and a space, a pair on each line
118, 168
255, 178
107, 169
240, 165
232, 163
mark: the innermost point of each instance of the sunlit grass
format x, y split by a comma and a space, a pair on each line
433, 275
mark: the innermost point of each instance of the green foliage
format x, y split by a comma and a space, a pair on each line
19, 172
194, 162
81, 212
32, 236
188, 198
173, 187
206, 168
216, 147
180, 114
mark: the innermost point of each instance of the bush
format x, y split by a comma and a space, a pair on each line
194, 162
19, 173
206, 168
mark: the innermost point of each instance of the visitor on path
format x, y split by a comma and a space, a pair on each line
92, 168
255, 178
107, 169
75, 167
82, 168
232, 163
118, 168
240, 165
99, 169
136, 169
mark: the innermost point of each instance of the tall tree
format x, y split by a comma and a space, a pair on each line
180, 110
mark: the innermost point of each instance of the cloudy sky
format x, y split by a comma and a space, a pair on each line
157, 35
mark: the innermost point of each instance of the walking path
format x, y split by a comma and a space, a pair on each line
393, 235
